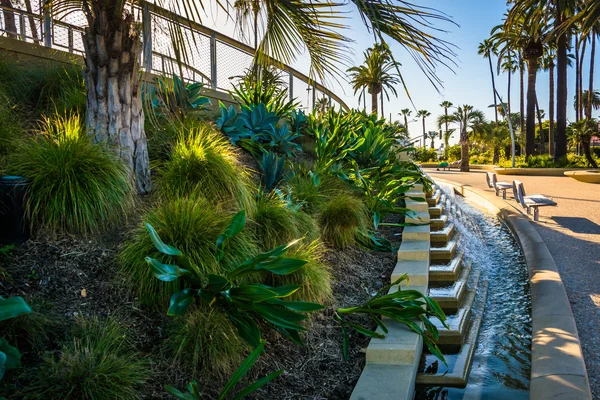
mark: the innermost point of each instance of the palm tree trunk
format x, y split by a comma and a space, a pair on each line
255, 29
562, 89
581, 59
531, 100
522, 105
551, 111
381, 96
494, 89
10, 25
588, 109
577, 72
464, 151
509, 82
115, 114
406, 126
424, 137
585, 145
542, 138
374, 102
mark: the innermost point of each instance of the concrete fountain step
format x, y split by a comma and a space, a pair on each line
436, 211
449, 272
445, 253
451, 297
433, 200
443, 235
438, 223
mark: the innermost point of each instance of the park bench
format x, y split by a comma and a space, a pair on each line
493, 183
534, 201
455, 164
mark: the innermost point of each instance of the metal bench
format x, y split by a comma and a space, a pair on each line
493, 183
534, 201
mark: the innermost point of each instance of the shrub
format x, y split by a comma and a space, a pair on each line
76, 186
205, 342
98, 363
192, 224
202, 161
314, 190
276, 223
314, 278
341, 218
11, 128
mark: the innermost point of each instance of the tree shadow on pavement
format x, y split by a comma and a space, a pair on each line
578, 225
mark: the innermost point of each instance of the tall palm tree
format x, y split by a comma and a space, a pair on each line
486, 49
423, 114
377, 75
112, 47
405, 112
589, 100
446, 105
247, 12
548, 64
583, 130
444, 120
467, 118
509, 65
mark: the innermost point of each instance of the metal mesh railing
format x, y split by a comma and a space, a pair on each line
212, 58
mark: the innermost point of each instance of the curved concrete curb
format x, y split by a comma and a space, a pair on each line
536, 171
592, 176
484, 167
557, 365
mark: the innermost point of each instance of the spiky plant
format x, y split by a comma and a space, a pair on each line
203, 161
76, 186
341, 219
193, 224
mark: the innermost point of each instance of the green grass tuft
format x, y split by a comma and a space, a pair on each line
341, 218
11, 129
98, 363
276, 224
76, 186
203, 161
192, 225
205, 342
314, 278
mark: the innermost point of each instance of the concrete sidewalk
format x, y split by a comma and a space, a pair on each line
571, 232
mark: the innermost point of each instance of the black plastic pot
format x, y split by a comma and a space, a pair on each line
14, 227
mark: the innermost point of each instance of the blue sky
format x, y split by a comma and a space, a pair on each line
468, 83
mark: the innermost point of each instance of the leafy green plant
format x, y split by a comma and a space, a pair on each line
194, 392
252, 93
231, 125
11, 307
193, 224
76, 186
171, 97
203, 161
98, 363
258, 120
245, 304
298, 121
273, 170
403, 306
11, 129
341, 219
282, 140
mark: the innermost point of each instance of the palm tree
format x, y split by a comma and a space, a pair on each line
423, 114
589, 100
467, 118
445, 119
486, 49
405, 112
548, 64
247, 11
583, 130
432, 135
445, 105
112, 47
510, 66
377, 75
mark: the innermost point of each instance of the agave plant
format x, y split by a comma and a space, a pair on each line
272, 168
231, 125
194, 392
275, 98
259, 121
298, 121
172, 97
282, 140
10, 308
244, 303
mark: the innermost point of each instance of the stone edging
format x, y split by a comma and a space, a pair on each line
537, 171
557, 365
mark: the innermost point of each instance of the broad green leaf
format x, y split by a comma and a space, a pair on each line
13, 307
281, 266
247, 328
235, 226
257, 385
273, 315
285, 291
242, 370
12, 356
2, 364
160, 245
181, 301
166, 272
217, 283
178, 394
302, 306
345, 343
365, 331
252, 293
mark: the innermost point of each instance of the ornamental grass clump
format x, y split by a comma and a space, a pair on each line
193, 224
203, 161
341, 219
76, 186
205, 342
97, 363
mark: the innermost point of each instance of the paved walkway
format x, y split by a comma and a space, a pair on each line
572, 233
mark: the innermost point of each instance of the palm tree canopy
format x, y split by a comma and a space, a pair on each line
377, 73
584, 99
486, 48
468, 117
423, 114
446, 104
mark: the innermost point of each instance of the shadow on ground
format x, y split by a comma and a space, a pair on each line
578, 224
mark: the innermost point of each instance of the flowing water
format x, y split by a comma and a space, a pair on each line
501, 365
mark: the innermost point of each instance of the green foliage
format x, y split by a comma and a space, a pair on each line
341, 219
298, 121
76, 186
376, 149
203, 162
403, 306
258, 120
193, 224
194, 392
454, 152
252, 94
282, 140
31, 329
314, 278
273, 170
423, 154
205, 342
98, 363
245, 304
12, 307
231, 125
278, 223
11, 129
172, 98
